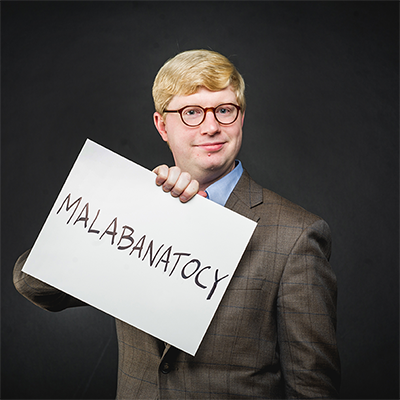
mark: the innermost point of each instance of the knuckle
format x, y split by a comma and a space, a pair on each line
186, 176
175, 169
163, 170
194, 184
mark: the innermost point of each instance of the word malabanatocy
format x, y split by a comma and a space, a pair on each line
145, 250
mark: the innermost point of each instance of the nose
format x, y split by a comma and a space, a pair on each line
210, 125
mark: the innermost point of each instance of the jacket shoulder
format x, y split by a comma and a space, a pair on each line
266, 204
285, 209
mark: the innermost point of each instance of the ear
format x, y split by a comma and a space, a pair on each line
160, 125
243, 118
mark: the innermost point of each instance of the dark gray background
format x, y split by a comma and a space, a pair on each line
321, 129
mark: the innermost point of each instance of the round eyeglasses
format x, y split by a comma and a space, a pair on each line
225, 114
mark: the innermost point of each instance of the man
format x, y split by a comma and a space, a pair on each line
273, 335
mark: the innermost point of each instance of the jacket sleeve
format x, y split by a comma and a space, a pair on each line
306, 309
38, 292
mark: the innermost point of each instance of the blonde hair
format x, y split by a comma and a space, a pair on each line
188, 71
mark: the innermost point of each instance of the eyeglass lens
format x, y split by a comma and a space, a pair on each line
194, 115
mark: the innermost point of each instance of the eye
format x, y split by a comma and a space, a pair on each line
225, 109
192, 112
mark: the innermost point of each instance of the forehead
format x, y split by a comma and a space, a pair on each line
205, 98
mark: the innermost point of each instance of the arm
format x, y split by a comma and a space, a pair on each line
307, 318
38, 292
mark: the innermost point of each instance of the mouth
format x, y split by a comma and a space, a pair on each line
210, 147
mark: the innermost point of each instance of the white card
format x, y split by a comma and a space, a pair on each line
116, 241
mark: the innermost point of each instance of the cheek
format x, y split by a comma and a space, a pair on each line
237, 137
182, 138
179, 144
240, 141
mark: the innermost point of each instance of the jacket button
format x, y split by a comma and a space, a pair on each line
166, 368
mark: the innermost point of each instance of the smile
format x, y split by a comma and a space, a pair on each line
211, 146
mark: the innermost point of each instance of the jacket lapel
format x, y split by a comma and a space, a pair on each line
246, 195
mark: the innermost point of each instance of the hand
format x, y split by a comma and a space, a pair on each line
179, 184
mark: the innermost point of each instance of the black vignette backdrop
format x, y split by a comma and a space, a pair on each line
321, 129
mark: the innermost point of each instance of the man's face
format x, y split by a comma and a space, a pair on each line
207, 151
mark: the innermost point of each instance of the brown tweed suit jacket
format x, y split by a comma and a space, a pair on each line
273, 335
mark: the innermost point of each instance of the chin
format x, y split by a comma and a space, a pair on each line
216, 165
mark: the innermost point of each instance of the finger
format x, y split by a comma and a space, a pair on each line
162, 174
173, 176
202, 194
183, 181
190, 191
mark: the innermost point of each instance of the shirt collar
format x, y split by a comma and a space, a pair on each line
219, 191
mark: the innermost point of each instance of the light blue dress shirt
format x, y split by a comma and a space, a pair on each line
219, 191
